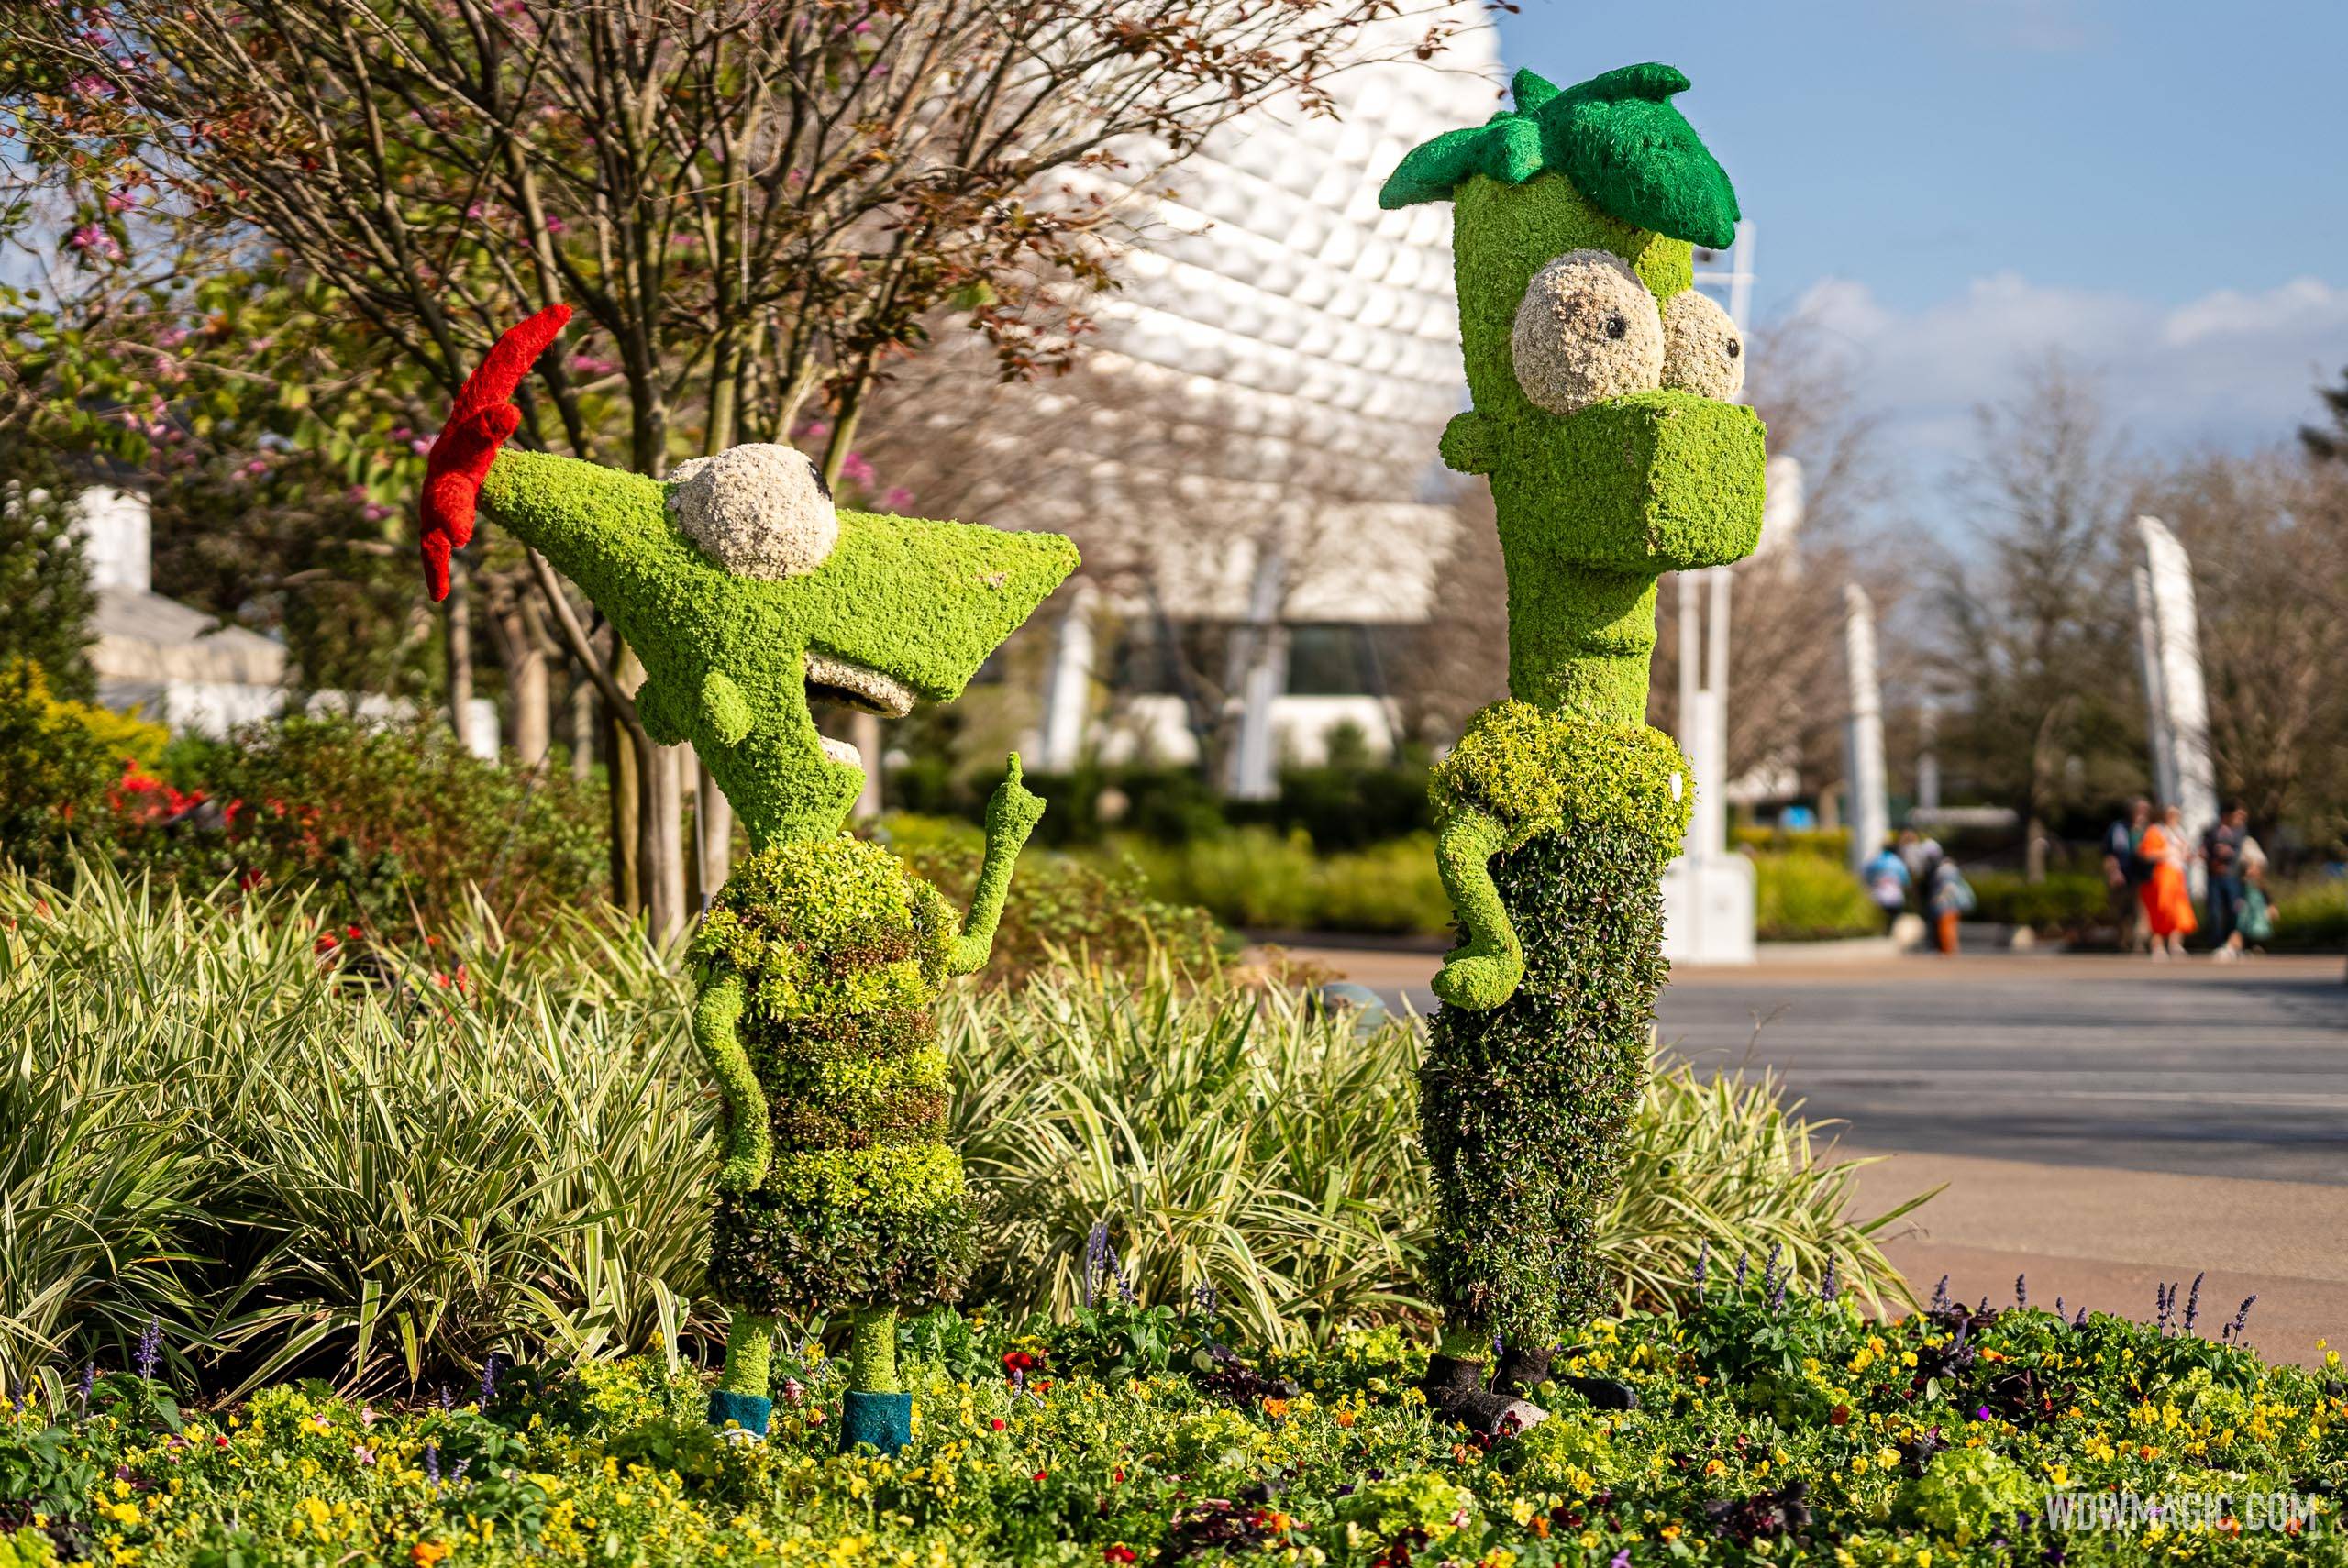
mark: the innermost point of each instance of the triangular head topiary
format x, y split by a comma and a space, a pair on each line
1616, 136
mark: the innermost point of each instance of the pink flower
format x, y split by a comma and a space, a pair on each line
556, 226
256, 467
473, 210
420, 445
121, 200
170, 337
896, 498
588, 365
856, 470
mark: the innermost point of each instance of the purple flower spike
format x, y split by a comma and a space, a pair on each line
1940, 1294
2193, 1302
488, 1379
2021, 1290
150, 1347
1744, 1264
2241, 1317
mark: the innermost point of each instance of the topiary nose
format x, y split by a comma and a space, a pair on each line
1658, 481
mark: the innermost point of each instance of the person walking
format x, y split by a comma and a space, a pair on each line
1886, 877
2124, 872
1950, 898
2168, 902
2221, 853
2254, 925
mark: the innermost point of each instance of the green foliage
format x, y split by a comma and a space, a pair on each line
2312, 914
1526, 1107
336, 1162
1828, 844
1616, 136
2062, 903
840, 950
1252, 876
391, 827
46, 600
1537, 771
1894, 1443
54, 775
923, 603
1096, 908
335, 1155
1968, 1493
1801, 896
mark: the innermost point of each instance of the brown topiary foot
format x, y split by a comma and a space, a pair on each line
1521, 1372
1455, 1392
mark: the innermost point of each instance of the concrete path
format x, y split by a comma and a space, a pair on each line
2104, 1124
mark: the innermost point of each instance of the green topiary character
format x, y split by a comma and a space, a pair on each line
746, 594
1600, 383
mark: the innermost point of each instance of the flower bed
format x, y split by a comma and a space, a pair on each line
1773, 1427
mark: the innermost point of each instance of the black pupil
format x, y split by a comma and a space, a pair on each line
1616, 326
1734, 347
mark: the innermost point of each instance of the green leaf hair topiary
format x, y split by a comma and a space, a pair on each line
1616, 137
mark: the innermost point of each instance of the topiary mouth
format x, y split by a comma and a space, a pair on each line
833, 679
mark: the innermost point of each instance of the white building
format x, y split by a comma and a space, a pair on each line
176, 665
1260, 420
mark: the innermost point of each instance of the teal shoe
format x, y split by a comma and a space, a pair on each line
884, 1420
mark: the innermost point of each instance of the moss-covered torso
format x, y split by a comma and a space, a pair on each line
841, 952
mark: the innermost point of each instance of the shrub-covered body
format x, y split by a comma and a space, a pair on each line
1614, 455
838, 951
1525, 1108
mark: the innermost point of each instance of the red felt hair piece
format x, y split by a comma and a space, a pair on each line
480, 422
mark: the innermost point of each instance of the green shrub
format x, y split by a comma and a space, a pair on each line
55, 772
396, 827
2065, 903
1254, 877
1061, 905
1823, 844
1798, 896
2311, 915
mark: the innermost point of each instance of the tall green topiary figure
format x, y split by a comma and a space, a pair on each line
1601, 383
747, 594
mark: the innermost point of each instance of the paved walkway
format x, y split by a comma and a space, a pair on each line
2104, 1124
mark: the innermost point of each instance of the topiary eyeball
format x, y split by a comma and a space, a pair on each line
1585, 330
758, 511
1702, 350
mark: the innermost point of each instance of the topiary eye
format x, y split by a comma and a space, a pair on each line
758, 511
1702, 353
1585, 331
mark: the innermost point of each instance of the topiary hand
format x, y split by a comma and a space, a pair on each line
1013, 809
1484, 971
748, 1140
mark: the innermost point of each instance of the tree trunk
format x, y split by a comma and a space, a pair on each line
522, 650
459, 630
663, 855
712, 834
627, 818
582, 728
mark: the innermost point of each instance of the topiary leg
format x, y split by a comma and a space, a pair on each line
877, 1410
741, 1395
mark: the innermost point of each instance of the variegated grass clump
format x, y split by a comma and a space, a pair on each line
379, 1166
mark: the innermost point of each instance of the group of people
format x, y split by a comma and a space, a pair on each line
1913, 861
2147, 856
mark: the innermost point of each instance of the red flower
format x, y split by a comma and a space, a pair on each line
995, 1425
1041, 1473
1839, 1416
325, 944
1120, 1552
1018, 1361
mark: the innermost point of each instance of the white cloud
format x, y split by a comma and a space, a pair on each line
2229, 370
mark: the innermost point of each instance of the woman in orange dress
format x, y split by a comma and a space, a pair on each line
2168, 903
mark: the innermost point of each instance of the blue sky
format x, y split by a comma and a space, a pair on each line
2158, 189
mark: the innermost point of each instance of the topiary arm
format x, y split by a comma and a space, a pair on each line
1483, 972
1012, 815
749, 1143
